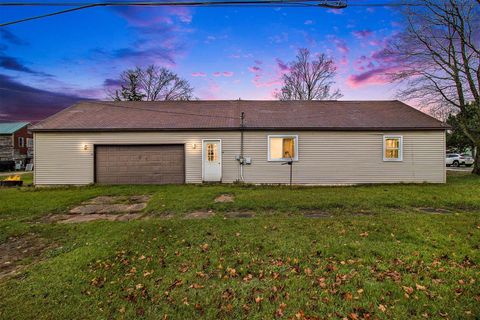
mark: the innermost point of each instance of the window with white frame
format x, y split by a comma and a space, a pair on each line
30, 142
392, 148
282, 148
21, 142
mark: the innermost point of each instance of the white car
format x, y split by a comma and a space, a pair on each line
456, 160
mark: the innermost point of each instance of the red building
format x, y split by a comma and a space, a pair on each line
16, 145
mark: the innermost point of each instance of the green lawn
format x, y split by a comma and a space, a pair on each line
375, 255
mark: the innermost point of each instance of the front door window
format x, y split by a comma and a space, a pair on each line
212, 152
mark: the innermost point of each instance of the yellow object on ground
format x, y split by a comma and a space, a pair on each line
13, 178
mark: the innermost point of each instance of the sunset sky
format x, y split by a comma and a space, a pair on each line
225, 52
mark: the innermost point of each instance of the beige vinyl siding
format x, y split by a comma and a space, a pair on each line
323, 157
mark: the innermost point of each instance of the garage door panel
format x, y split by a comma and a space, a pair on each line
145, 164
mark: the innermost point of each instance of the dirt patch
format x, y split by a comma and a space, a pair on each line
199, 215
107, 204
434, 210
239, 215
118, 199
97, 216
16, 250
225, 198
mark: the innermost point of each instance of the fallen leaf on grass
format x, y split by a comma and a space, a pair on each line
420, 287
232, 272
248, 277
364, 234
280, 310
408, 290
196, 286
347, 296
258, 299
382, 308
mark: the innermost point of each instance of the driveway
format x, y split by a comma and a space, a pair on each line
12, 173
460, 169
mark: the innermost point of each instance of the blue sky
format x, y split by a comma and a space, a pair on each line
225, 52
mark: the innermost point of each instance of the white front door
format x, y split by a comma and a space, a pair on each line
212, 160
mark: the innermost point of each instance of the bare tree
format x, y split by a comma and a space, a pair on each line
152, 84
309, 78
439, 59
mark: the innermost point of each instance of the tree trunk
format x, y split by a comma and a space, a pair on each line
476, 156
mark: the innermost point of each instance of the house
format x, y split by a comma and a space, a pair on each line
328, 142
16, 145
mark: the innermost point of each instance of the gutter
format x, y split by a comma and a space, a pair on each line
243, 129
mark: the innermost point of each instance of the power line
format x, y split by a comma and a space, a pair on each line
86, 5
333, 4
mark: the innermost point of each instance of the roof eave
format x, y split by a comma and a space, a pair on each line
239, 129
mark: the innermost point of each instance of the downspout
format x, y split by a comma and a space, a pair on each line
242, 162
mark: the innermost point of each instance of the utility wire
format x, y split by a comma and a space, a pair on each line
333, 4
151, 4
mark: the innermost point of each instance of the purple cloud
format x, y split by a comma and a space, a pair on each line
112, 83
11, 38
11, 63
362, 34
342, 46
254, 69
22, 102
199, 74
377, 75
282, 65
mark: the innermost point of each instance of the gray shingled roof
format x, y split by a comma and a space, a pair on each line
225, 115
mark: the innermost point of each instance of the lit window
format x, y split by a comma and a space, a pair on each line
212, 153
282, 148
392, 148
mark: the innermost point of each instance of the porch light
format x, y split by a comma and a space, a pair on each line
194, 146
85, 147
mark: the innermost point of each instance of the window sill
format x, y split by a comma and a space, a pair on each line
282, 160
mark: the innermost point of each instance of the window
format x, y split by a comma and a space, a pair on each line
392, 148
21, 142
212, 153
282, 148
30, 142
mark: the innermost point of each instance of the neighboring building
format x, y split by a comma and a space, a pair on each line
16, 144
330, 142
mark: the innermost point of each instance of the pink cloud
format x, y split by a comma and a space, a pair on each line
343, 61
223, 73
362, 34
282, 65
199, 74
377, 75
254, 69
267, 79
342, 46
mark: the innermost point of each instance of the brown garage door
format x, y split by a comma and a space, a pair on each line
140, 164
